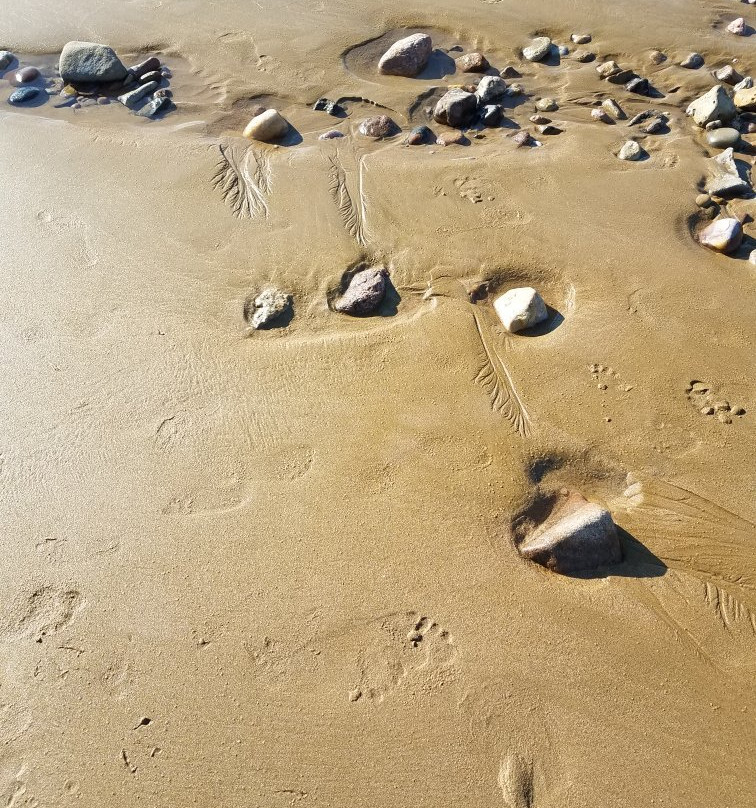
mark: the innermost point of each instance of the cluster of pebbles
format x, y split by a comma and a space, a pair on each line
90, 74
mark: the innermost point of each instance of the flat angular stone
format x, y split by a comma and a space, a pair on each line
537, 50
577, 536
722, 235
520, 308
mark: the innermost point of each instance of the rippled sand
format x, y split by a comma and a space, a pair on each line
277, 569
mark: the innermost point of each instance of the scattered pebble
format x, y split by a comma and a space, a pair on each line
727, 75
722, 235
581, 39
364, 293
151, 108
515, 89
103, 100
610, 106
583, 56
26, 74
546, 105
692, 61
325, 105
451, 138
606, 69
713, 105
654, 126
745, 100
549, 129
631, 151
657, 57
539, 119
267, 307
23, 94
639, 86
147, 66
419, 135
379, 126
745, 84
163, 92
723, 137
522, 138
455, 108
752, 257
703, 201
520, 308
725, 178
154, 75
331, 134
601, 115
738, 27
491, 115
6, 57
707, 410
537, 50
563, 50
407, 57
510, 72
88, 61
472, 63
267, 126
133, 97
490, 88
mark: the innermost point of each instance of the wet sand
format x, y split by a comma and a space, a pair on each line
277, 568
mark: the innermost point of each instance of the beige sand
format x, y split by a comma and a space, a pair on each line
235, 536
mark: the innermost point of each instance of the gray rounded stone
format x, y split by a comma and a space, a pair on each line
722, 138
455, 108
378, 126
23, 94
90, 62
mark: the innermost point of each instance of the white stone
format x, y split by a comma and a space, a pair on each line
581, 39
490, 89
266, 126
714, 105
537, 50
630, 151
520, 308
752, 257
722, 235
737, 27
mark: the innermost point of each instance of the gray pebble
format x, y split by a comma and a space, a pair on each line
6, 57
23, 94
723, 137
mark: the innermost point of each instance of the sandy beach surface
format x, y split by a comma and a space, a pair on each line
272, 568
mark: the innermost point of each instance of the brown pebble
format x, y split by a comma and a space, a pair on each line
657, 57
26, 74
707, 410
738, 411
522, 138
472, 63
703, 200
510, 72
722, 406
451, 138
541, 119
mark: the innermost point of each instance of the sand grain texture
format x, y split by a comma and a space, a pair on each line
291, 551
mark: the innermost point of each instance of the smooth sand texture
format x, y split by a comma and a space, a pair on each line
291, 550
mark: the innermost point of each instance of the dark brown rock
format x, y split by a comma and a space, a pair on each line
472, 63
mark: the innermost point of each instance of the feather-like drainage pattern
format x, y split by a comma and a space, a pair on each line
244, 187
494, 378
352, 215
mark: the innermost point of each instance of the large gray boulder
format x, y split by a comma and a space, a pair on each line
577, 536
90, 62
407, 57
714, 105
455, 108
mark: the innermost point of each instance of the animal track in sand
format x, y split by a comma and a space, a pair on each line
402, 646
44, 612
604, 376
704, 398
